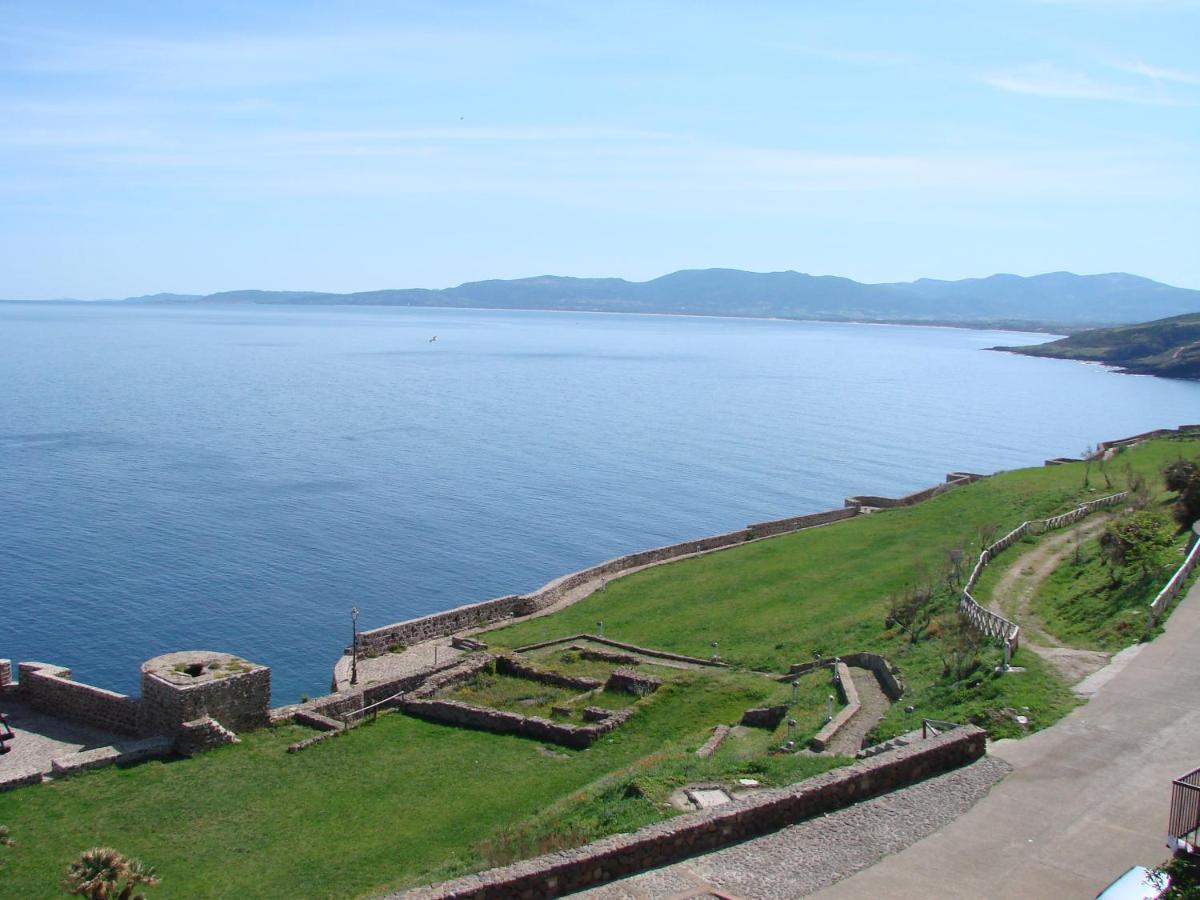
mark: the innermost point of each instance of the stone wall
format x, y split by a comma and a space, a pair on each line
701, 832
50, 689
413, 631
849, 696
885, 674
5, 674
633, 648
240, 701
507, 665
797, 523
202, 734
484, 718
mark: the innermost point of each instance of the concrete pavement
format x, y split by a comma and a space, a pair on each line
1087, 799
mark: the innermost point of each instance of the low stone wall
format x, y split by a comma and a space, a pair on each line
720, 732
379, 640
453, 712
20, 778
620, 659
886, 675
50, 689
849, 694
797, 523
633, 648
506, 665
202, 734
98, 758
666, 842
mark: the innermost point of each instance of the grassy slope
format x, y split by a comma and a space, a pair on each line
1169, 347
1080, 604
772, 603
402, 801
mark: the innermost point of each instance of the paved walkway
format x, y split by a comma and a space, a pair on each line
1087, 799
41, 738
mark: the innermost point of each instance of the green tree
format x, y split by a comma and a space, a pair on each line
1183, 477
1140, 541
102, 873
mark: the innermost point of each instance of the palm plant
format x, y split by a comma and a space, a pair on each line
98, 875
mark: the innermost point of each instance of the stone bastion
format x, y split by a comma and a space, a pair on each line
182, 687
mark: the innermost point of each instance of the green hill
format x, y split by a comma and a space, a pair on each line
1166, 347
1056, 301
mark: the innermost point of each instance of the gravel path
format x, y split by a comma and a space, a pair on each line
804, 858
873, 706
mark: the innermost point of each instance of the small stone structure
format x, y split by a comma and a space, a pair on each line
187, 686
767, 717
630, 681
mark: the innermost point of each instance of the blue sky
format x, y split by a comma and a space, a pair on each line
200, 147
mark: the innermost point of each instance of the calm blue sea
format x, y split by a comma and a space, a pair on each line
237, 478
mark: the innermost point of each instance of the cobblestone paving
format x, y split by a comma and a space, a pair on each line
804, 858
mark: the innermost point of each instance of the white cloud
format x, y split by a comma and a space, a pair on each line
1046, 79
1157, 73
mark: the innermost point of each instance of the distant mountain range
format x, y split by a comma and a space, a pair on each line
1056, 301
1167, 347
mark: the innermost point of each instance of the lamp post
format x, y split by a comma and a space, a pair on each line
715, 654
600, 629
354, 645
829, 709
795, 690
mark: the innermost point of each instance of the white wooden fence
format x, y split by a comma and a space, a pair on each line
997, 627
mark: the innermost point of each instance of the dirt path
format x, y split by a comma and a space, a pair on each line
1013, 594
873, 706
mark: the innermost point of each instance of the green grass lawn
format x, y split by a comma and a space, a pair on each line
403, 801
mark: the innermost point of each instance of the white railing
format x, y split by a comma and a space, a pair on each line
992, 624
1175, 585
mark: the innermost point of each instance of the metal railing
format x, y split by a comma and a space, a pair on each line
934, 727
1183, 832
373, 709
